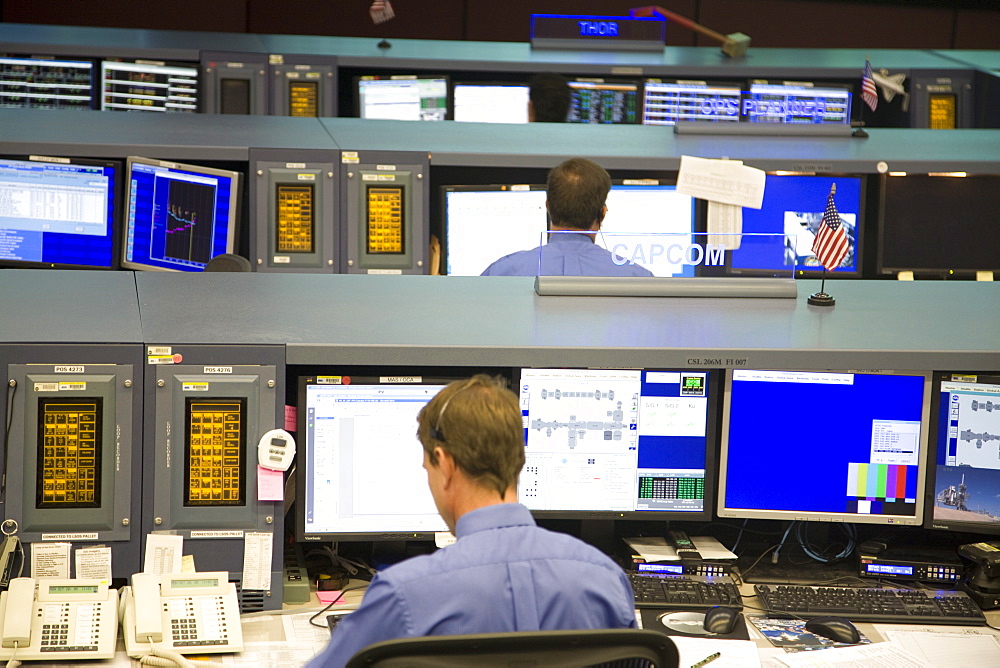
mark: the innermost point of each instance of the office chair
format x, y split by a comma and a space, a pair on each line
228, 262
631, 648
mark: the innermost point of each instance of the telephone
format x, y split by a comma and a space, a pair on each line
181, 613
57, 620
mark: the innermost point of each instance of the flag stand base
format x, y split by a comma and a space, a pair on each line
821, 299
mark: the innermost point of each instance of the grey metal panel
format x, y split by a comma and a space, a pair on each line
65, 306
283, 70
456, 321
164, 136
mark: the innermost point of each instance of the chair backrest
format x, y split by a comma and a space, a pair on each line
228, 262
633, 648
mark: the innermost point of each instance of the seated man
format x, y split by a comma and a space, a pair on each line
576, 194
504, 573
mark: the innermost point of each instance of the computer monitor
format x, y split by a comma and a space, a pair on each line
485, 223
666, 102
794, 205
403, 97
645, 207
59, 212
604, 101
490, 103
939, 225
178, 216
796, 102
46, 83
359, 463
145, 85
618, 443
963, 489
829, 446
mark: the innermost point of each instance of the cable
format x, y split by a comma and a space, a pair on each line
11, 393
334, 602
774, 557
12, 662
801, 533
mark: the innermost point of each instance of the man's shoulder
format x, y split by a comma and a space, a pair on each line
518, 263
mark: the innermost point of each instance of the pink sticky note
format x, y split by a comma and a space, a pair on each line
328, 597
270, 485
291, 418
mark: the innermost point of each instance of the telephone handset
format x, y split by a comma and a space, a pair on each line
181, 613
11, 553
56, 620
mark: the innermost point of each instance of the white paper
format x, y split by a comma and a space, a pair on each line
257, 560
725, 181
94, 563
655, 548
725, 225
163, 553
50, 560
946, 646
875, 655
732, 653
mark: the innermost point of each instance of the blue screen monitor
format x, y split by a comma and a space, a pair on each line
178, 216
618, 443
59, 213
833, 446
794, 205
796, 102
963, 492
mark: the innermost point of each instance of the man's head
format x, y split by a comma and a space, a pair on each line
577, 192
548, 97
473, 426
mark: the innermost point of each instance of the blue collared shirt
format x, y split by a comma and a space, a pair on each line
503, 574
565, 255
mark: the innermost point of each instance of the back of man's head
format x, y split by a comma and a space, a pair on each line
478, 422
577, 192
549, 95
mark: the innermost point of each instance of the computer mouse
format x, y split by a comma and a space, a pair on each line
837, 629
721, 619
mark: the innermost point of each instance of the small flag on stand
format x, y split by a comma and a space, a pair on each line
831, 243
868, 91
381, 11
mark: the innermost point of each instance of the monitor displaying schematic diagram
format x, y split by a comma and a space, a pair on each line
964, 489
605, 443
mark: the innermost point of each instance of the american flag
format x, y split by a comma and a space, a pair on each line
831, 243
381, 11
868, 92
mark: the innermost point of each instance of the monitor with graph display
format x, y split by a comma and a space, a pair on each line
605, 101
796, 102
834, 446
359, 462
618, 443
46, 83
490, 103
403, 97
964, 486
59, 212
485, 223
794, 205
178, 216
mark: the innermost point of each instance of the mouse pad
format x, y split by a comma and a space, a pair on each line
674, 623
791, 634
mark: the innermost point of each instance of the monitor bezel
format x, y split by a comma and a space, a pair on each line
114, 204
233, 224
930, 489
714, 378
402, 76
923, 464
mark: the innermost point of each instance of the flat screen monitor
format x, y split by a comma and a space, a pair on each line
145, 85
490, 103
939, 225
648, 206
666, 102
796, 102
604, 101
47, 83
618, 443
964, 487
178, 216
359, 462
485, 223
59, 212
829, 446
403, 97
794, 205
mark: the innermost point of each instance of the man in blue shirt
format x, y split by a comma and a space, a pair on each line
576, 194
504, 573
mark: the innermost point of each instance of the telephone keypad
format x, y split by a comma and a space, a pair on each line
197, 621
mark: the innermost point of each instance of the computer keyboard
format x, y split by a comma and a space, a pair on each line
870, 604
684, 592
